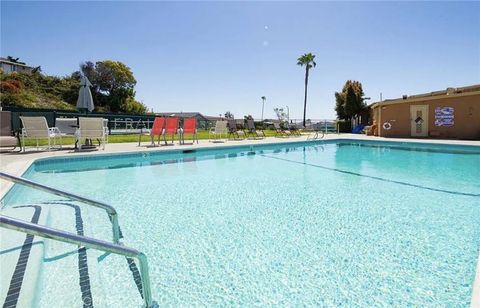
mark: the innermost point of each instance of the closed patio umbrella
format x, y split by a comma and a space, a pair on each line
85, 100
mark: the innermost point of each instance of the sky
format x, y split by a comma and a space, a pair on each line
214, 57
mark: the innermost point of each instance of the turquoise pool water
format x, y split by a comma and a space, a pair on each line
330, 224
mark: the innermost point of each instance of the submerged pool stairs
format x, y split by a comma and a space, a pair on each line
36, 270
21, 258
41, 272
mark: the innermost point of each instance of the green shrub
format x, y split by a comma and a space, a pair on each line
344, 126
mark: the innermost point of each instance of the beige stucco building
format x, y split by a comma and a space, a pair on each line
9, 66
452, 113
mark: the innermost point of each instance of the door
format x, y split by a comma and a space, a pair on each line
419, 120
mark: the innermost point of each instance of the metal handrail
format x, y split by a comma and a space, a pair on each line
88, 242
108, 208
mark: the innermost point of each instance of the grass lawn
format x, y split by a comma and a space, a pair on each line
129, 138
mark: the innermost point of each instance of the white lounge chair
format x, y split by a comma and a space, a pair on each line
37, 127
91, 128
219, 130
66, 126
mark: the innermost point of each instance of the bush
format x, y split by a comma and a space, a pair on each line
11, 86
130, 105
36, 90
344, 126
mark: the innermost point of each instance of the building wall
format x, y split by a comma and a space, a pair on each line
8, 67
466, 117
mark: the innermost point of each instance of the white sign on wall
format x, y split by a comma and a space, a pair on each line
444, 116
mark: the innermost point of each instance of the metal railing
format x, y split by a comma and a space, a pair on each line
112, 213
87, 242
325, 125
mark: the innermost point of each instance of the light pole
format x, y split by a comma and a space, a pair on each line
263, 104
288, 114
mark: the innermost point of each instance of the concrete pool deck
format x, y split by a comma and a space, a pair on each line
16, 163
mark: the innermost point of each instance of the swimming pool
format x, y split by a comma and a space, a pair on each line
329, 223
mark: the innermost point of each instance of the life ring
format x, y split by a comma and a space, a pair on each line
387, 126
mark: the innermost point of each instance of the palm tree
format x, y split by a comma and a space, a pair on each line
307, 60
263, 104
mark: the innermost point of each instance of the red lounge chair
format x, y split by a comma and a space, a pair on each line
171, 128
189, 127
157, 129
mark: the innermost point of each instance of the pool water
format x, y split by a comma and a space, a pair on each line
329, 224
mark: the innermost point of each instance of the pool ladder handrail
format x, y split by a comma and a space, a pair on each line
87, 242
112, 213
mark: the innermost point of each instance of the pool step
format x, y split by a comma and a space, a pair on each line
21, 257
66, 268
96, 279
66, 275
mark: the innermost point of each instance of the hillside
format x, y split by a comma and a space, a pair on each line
35, 90
113, 88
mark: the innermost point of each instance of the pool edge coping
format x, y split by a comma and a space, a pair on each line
145, 149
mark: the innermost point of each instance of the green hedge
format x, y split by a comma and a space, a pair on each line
344, 126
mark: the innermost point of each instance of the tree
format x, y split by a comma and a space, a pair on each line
113, 86
130, 105
340, 106
228, 115
281, 114
263, 104
350, 101
307, 60
88, 69
113, 75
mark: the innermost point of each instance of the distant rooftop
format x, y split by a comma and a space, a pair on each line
181, 114
19, 63
434, 94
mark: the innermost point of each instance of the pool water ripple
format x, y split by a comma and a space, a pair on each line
274, 229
